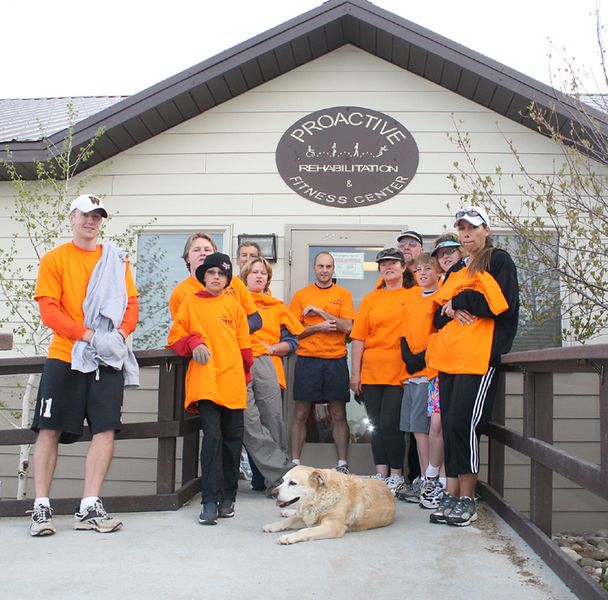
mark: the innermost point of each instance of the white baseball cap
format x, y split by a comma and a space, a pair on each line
475, 215
87, 203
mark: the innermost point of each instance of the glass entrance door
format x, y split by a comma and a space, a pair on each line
354, 252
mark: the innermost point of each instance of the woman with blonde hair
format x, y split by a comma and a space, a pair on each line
264, 437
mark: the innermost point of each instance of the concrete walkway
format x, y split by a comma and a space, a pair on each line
169, 555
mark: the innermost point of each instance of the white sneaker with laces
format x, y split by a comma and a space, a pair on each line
394, 482
431, 492
42, 521
96, 518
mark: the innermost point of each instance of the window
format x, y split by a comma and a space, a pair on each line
160, 267
540, 303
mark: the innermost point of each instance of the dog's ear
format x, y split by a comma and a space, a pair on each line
317, 479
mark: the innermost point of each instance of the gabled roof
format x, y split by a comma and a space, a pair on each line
290, 45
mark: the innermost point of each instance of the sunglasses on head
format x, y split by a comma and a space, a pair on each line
469, 213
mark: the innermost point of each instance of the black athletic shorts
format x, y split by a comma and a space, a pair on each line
66, 398
321, 380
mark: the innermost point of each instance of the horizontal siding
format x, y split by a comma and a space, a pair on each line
218, 170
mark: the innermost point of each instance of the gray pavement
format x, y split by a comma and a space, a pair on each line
169, 555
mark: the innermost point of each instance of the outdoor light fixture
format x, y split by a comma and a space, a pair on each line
266, 241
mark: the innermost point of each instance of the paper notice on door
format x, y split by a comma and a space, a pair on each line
349, 265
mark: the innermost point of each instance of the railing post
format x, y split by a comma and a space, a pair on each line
165, 465
538, 423
190, 442
496, 450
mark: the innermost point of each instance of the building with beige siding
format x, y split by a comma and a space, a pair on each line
199, 152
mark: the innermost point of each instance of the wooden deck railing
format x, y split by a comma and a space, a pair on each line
172, 423
535, 442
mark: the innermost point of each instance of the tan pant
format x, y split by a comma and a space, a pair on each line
264, 436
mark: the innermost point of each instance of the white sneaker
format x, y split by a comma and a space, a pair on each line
97, 519
431, 492
379, 476
394, 482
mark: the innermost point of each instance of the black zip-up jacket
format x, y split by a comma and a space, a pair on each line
503, 269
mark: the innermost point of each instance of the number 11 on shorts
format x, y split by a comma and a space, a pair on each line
45, 407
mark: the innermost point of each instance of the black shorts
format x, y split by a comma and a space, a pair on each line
66, 398
321, 380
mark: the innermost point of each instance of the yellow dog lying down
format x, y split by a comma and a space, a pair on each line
330, 504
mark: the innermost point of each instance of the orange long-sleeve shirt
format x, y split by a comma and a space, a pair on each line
61, 288
222, 324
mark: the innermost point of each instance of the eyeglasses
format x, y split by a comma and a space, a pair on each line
408, 244
470, 213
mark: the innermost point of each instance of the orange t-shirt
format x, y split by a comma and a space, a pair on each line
418, 326
222, 324
378, 325
189, 286
465, 349
64, 275
335, 300
274, 314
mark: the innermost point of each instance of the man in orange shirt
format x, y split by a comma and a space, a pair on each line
67, 396
321, 375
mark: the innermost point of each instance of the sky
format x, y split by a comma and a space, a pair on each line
120, 47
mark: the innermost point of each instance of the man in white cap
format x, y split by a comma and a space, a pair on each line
66, 397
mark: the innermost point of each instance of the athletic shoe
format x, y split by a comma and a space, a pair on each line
463, 513
225, 509
431, 492
96, 518
379, 477
208, 515
42, 521
394, 482
343, 469
245, 471
410, 492
447, 503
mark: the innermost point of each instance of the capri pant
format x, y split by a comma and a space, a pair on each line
466, 405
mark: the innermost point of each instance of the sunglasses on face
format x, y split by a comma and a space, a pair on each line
446, 252
469, 213
408, 244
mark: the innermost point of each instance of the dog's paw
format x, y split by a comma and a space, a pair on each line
271, 528
288, 512
287, 539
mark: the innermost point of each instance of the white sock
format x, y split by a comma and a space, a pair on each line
444, 481
88, 501
342, 463
42, 501
295, 461
432, 471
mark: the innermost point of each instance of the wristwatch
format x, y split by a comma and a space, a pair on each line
273, 350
